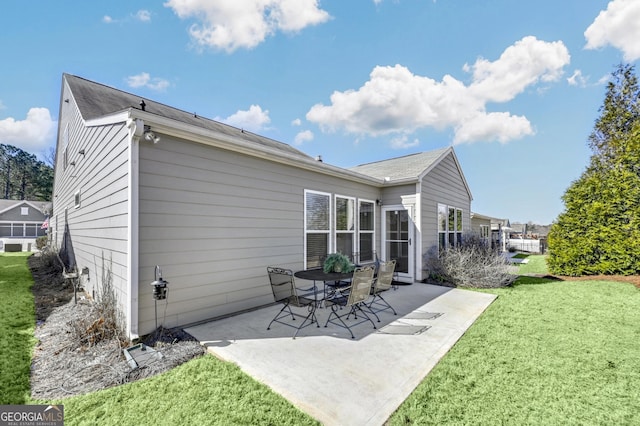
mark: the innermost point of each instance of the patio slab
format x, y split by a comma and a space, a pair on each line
344, 381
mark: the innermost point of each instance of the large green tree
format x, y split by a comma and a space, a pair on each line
599, 231
23, 176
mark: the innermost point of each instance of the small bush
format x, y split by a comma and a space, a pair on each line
41, 242
473, 263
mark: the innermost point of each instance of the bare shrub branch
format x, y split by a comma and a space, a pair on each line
473, 263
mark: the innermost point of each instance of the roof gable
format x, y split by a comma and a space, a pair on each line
413, 167
7, 205
402, 168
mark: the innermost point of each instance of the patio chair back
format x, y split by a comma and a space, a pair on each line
385, 276
283, 285
360, 285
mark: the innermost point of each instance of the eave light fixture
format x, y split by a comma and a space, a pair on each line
150, 136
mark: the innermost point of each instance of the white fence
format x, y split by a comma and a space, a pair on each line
530, 246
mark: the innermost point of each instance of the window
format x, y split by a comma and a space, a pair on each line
24, 211
484, 232
317, 227
345, 225
337, 223
366, 231
76, 199
449, 226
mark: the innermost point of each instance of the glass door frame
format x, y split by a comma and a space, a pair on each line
408, 276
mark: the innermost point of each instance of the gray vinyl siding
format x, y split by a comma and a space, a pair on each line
15, 214
476, 224
445, 185
399, 195
98, 228
214, 220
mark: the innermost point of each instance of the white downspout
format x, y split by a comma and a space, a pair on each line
136, 129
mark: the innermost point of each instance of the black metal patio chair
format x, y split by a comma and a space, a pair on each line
284, 291
353, 297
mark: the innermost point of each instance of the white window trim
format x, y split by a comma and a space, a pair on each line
372, 232
24, 211
331, 243
447, 231
354, 244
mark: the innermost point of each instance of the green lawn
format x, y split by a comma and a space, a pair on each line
536, 264
17, 323
545, 352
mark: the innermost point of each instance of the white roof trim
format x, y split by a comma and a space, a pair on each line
182, 130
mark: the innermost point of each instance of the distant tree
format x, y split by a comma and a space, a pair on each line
599, 231
23, 176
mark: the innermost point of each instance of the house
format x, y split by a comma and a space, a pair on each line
139, 184
21, 223
493, 230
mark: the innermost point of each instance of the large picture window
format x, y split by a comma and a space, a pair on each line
449, 226
337, 223
317, 227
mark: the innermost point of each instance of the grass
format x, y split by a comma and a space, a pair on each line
17, 324
203, 391
537, 264
545, 352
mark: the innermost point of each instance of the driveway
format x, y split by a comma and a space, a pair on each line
343, 381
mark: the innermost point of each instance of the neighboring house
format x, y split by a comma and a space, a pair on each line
21, 223
491, 229
140, 184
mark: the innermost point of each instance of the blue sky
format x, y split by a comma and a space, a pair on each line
514, 86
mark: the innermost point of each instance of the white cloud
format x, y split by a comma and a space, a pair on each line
618, 26
302, 137
143, 15
604, 79
107, 19
255, 119
230, 24
525, 63
396, 101
402, 142
33, 134
296, 122
144, 80
577, 79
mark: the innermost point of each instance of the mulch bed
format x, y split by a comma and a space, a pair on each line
64, 364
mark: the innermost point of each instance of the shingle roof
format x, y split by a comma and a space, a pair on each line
96, 100
407, 167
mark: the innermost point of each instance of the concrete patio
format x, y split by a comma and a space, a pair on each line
343, 381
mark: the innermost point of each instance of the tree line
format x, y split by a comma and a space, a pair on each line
599, 231
23, 176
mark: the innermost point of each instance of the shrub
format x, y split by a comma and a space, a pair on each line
472, 263
41, 242
104, 321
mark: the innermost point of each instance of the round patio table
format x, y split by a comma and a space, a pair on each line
318, 274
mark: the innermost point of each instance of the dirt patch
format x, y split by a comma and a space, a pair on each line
64, 364
631, 279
